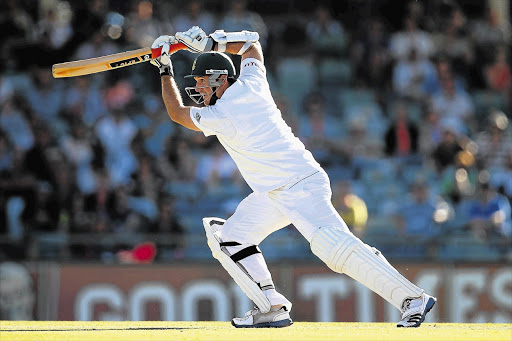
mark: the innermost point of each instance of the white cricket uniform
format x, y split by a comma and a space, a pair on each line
288, 183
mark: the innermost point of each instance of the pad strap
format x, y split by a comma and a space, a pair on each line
219, 250
244, 253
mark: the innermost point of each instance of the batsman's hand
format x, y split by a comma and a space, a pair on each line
195, 39
164, 61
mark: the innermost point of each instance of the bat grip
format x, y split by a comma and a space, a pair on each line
155, 53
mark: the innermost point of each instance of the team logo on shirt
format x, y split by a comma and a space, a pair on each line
198, 117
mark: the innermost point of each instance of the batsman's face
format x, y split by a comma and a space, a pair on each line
203, 88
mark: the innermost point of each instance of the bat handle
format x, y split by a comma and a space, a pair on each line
155, 53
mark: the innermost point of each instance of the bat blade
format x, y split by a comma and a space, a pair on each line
110, 62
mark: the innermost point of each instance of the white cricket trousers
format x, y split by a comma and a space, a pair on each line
305, 202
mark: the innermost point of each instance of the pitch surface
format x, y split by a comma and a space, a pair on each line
156, 331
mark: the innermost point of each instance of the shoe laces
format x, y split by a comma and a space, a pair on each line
253, 311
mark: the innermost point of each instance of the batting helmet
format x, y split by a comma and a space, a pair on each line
213, 65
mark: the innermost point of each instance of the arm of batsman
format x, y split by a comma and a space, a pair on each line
195, 39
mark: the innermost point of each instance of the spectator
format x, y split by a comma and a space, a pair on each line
498, 75
370, 54
116, 132
194, 15
96, 46
411, 75
444, 71
178, 162
16, 23
6, 156
55, 23
401, 137
40, 160
79, 151
124, 218
6, 88
146, 180
168, 226
495, 143
45, 97
367, 147
487, 33
459, 181
455, 104
96, 205
350, 207
502, 178
238, 18
65, 192
216, 170
454, 42
84, 102
445, 152
319, 130
410, 38
143, 27
416, 216
489, 213
430, 131
15, 125
326, 34
45, 217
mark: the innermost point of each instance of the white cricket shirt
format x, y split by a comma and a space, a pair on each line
249, 125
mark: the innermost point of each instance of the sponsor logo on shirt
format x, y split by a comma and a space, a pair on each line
253, 64
198, 117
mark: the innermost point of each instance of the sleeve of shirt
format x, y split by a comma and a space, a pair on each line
251, 67
212, 121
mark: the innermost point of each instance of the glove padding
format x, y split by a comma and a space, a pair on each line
196, 40
164, 61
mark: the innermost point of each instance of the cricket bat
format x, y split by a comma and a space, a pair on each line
110, 62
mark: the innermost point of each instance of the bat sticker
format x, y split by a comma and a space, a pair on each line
129, 61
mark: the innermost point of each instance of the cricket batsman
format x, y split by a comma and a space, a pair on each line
289, 185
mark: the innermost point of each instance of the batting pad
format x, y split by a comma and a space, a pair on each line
344, 253
235, 270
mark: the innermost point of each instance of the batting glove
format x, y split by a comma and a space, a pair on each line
164, 61
195, 39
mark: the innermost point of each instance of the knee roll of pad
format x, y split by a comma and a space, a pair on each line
345, 253
231, 264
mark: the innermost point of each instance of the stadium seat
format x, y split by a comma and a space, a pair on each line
484, 101
356, 96
335, 72
465, 247
296, 77
188, 190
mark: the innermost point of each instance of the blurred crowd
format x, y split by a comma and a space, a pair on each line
407, 105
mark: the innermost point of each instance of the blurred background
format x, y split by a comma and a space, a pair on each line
406, 104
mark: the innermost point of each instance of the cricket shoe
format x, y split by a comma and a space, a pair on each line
256, 319
414, 310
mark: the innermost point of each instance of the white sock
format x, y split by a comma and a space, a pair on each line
276, 298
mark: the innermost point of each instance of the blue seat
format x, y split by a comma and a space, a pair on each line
296, 77
335, 72
465, 247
